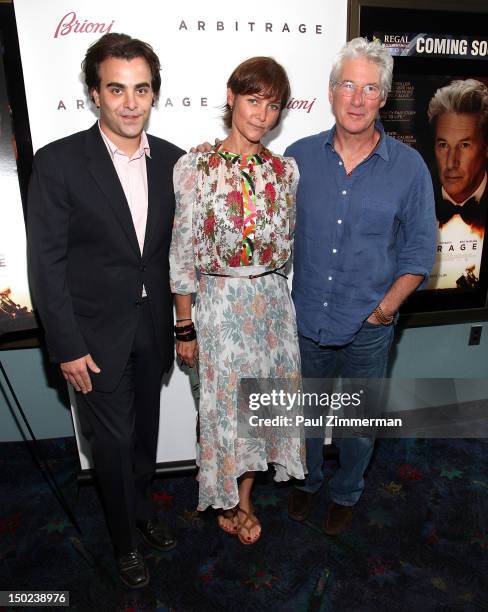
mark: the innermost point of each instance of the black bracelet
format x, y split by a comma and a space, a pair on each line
187, 337
184, 328
185, 333
181, 320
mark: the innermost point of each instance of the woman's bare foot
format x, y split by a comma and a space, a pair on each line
249, 528
227, 521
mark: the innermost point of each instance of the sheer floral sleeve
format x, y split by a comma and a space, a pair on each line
292, 194
182, 264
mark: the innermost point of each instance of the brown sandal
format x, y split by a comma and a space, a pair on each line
231, 515
250, 521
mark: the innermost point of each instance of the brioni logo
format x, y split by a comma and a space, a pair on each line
70, 24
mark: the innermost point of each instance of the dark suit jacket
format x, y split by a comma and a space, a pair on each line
477, 221
86, 268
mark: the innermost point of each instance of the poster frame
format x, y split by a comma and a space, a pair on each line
9, 41
430, 314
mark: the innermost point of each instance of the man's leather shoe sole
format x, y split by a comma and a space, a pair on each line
299, 504
338, 519
157, 535
133, 570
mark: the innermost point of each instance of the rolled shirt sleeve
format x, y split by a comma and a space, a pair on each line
418, 231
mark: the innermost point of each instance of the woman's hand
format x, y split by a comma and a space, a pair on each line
204, 147
187, 352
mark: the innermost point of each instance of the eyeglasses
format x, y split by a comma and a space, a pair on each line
348, 89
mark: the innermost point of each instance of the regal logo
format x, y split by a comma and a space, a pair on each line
396, 38
70, 24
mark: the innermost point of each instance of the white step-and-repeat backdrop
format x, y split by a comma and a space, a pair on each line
199, 44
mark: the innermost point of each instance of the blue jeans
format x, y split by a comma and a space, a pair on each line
366, 356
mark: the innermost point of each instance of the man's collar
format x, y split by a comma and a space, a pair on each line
144, 147
476, 195
381, 148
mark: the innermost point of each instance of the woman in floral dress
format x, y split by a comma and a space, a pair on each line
232, 235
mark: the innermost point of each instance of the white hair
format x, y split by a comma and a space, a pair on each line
469, 96
373, 52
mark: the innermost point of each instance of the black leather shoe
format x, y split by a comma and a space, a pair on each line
338, 519
133, 570
157, 535
299, 504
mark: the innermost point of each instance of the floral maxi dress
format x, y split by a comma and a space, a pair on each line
235, 216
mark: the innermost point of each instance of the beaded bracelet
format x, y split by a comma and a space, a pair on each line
382, 318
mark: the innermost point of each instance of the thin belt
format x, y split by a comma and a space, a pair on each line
250, 275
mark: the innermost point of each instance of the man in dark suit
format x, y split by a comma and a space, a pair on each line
459, 115
100, 215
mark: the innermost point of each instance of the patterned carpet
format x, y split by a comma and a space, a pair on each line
419, 540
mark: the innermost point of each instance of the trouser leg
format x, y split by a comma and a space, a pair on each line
365, 357
148, 372
107, 421
122, 428
318, 362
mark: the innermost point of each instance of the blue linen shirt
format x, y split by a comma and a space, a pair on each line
356, 234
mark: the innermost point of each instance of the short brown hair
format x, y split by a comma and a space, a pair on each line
258, 75
120, 46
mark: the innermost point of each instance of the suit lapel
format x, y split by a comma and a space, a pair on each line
103, 171
154, 192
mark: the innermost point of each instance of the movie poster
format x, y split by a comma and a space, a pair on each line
430, 71
456, 152
15, 303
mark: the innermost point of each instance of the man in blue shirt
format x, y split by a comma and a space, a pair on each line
365, 240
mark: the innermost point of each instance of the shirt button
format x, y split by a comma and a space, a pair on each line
330, 277
340, 163
334, 250
325, 304
344, 192
339, 221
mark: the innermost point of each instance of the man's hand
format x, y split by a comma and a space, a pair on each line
76, 372
204, 147
373, 319
396, 295
187, 352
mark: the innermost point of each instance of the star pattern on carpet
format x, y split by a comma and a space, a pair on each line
407, 502
409, 473
450, 473
439, 583
480, 538
58, 525
393, 489
380, 571
480, 484
260, 577
207, 571
163, 499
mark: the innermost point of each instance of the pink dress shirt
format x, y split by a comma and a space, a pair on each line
132, 175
